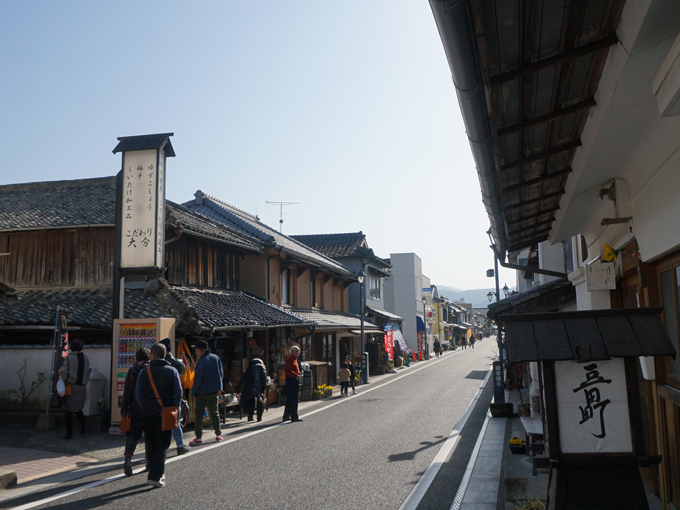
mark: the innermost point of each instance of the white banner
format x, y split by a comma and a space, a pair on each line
143, 214
592, 407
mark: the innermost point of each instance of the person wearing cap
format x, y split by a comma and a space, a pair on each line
206, 390
179, 366
292, 373
352, 372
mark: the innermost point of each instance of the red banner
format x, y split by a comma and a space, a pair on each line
419, 350
389, 342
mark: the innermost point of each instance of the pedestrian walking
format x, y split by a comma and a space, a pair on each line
130, 404
206, 390
76, 373
292, 374
343, 375
472, 341
253, 387
437, 346
159, 381
178, 365
463, 342
352, 372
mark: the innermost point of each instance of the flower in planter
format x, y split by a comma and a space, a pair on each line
516, 441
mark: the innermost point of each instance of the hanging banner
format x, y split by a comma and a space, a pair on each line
389, 342
592, 407
419, 349
61, 347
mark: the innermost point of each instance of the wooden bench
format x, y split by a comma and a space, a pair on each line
533, 437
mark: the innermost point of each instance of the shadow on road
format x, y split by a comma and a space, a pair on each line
97, 501
477, 374
396, 457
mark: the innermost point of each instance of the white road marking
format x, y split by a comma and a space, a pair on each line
211, 446
413, 499
462, 488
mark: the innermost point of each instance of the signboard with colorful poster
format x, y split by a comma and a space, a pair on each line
389, 342
419, 349
143, 209
592, 407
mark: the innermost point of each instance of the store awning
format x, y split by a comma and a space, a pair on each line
459, 326
591, 335
357, 332
420, 324
382, 314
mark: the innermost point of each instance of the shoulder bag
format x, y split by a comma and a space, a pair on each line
169, 414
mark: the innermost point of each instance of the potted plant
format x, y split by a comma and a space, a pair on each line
517, 445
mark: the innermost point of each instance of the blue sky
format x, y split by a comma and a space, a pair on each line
345, 107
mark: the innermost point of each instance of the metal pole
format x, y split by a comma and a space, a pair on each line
364, 375
49, 388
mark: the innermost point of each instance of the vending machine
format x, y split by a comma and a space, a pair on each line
130, 335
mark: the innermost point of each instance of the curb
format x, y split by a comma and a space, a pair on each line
7, 478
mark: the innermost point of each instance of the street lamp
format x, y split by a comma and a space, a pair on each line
490, 295
425, 325
361, 276
506, 290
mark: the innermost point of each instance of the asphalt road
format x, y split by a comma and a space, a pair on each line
363, 452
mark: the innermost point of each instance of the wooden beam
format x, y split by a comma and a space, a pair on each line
541, 155
523, 244
537, 180
536, 233
546, 222
541, 119
534, 200
565, 56
605, 221
532, 216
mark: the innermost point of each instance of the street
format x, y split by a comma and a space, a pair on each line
367, 451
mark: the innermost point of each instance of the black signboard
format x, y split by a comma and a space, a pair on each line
498, 384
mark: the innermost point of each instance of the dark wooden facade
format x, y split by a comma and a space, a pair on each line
83, 257
200, 263
57, 258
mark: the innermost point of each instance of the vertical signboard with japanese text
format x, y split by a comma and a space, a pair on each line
389, 342
592, 407
61, 347
143, 209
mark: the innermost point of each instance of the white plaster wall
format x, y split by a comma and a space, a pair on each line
404, 290
550, 257
38, 360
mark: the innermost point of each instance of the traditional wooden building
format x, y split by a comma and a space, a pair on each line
57, 249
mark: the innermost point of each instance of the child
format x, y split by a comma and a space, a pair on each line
344, 375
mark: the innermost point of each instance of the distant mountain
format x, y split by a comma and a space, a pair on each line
475, 296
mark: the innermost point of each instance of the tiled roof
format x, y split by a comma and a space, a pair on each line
338, 246
545, 298
333, 320
250, 225
93, 202
194, 222
58, 204
192, 307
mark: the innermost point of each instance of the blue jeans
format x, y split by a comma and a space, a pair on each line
177, 433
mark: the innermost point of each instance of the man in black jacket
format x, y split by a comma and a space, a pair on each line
169, 387
179, 366
254, 385
130, 404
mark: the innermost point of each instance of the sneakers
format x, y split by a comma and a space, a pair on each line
181, 450
157, 484
354, 392
196, 442
218, 438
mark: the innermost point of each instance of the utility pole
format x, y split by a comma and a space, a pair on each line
281, 204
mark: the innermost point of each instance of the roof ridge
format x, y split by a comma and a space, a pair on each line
360, 233
230, 207
69, 183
